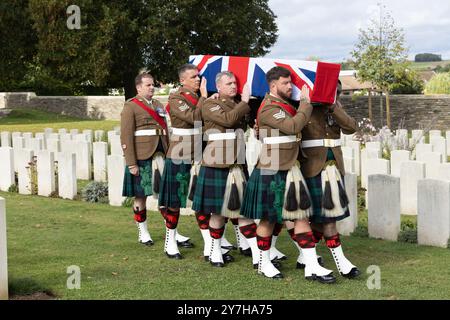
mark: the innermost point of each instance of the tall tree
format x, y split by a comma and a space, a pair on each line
379, 51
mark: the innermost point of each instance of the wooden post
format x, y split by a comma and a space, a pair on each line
388, 110
3, 253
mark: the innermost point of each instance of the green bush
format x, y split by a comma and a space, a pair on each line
13, 188
95, 192
439, 84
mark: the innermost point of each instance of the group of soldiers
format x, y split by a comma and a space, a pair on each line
192, 153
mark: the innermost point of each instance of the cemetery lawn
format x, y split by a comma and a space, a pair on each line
47, 235
29, 120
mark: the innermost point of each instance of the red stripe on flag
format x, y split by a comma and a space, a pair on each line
296, 80
239, 67
203, 62
327, 76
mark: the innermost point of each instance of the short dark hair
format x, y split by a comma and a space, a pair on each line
186, 67
276, 73
139, 77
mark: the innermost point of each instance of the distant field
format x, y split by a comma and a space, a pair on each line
424, 66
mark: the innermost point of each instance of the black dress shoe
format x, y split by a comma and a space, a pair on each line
282, 258
278, 276
352, 274
227, 258
302, 265
322, 279
246, 252
229, 247
176, 256
275, 263
321, 262
148, 243
185, 244
217, 264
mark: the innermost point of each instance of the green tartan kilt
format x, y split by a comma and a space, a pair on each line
138, 186
315, 190
260, 200
174, 184
209, 190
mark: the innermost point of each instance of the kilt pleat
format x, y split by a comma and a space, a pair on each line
209, 190
174, 184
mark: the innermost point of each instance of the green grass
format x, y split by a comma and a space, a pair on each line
29, 120
427, 66
47, 235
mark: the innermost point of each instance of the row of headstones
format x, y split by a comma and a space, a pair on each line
433, 211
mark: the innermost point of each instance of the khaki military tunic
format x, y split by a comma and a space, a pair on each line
134, 118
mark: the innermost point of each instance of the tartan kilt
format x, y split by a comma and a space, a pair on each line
315, 190
259, 199
138, 186
174, 184
210, 189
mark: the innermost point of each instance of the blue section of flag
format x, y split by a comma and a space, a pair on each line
259, 83
192, 61
210, 73
311, 75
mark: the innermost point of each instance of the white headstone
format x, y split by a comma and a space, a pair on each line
444, 171
62, 130
89, 135
384, 207
67, 175
356, 146
41, 135
100, 160
111, 134
18, 143
116, 147
73, 133
65, 137
435, 133
397, 158
433, 218
48, 132
348, 225
349, 165
46, 173
116, 170
375, 145
83, 160
6, 168
417, 136
447, 138
365, 155
98, 135
410, 174
3, 253
36, 144
421, 149
27, 136
439, 145
16, 134
6, 139
24, 157
402, 141
432, 161
375, 166
53, 145
54, 136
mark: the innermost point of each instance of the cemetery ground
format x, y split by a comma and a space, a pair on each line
46, 236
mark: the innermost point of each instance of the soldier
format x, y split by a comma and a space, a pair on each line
323, 168
276, 190
143, 136
184, 108
219, 187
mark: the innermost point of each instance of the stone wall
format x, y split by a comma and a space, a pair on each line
415, 111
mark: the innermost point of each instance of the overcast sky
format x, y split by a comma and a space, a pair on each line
329, 28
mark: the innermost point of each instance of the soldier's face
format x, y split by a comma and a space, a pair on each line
227, 86
190, 80
283, 87
146, 88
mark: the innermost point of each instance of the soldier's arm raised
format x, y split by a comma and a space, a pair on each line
180, 109
278, 119
348, 124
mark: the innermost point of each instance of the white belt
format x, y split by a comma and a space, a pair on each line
186, 132
222, 136
282, 139
321, 143
150, 132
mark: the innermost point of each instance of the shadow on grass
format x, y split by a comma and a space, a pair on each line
28, 289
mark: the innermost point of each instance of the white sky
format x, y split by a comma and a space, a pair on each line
329, 28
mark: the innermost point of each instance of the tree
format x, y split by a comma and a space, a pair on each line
379, 52
407, 81
119, 38
438, 84
427, 57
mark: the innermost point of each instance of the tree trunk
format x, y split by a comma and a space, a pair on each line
388, 110
381, 110
370, 106
128, 85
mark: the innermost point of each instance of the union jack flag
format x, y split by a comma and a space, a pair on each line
320, 77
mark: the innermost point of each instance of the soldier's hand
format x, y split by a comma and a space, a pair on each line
245, 96
203, 90
134, 170
214, 96
304, 97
